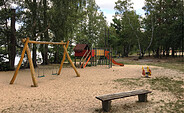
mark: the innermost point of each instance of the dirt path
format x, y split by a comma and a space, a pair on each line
68, 94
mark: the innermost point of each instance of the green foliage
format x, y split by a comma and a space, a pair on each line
92, 26
4, 66
160, 30
81, 21
127, 26
167, 17
5, 34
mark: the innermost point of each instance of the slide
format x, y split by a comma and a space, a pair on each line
113, 61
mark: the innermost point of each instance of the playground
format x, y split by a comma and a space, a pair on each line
68, 93
87, 56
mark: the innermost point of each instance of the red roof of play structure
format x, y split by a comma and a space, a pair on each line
81, 47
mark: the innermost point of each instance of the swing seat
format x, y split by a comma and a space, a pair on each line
54, 74
41, 76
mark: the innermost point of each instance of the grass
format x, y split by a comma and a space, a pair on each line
132, 82
166, 84
163, 84
169, 63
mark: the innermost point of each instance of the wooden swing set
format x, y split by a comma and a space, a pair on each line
26, 49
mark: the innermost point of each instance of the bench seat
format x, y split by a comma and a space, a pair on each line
106, 99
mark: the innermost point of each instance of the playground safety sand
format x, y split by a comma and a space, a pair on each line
67, 93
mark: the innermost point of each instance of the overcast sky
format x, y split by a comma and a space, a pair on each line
107, 6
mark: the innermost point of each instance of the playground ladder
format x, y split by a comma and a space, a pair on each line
83, 56
85, 59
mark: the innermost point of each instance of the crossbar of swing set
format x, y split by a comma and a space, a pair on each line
43, 42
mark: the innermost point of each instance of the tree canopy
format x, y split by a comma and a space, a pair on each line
160, 30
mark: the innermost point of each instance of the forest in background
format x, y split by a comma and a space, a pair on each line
160, 31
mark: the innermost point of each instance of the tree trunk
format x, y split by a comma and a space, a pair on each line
56, 57
167, 52
177, 51
34, 54
182, 49
153, 52
163, 52
173, 52
12, 45
157, 53
45, 33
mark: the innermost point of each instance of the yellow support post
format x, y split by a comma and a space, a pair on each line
19, 65
78, 75
63, 59
31, 67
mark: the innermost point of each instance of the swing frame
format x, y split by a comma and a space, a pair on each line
26, 41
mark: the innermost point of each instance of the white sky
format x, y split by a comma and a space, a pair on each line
108, 7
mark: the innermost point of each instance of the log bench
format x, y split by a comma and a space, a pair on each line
106, 99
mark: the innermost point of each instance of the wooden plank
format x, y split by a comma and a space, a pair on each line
63, 59
78, 75
20, 61
122, 95
31, 67
43, 42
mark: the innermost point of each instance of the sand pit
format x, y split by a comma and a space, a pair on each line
67, 93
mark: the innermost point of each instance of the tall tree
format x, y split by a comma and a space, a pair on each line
167, 15
7, 34
46, 37
12, 45
91, 28
63, 19
127, 26
34, 21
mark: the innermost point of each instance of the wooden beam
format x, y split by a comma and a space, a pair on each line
63, 59
31, 67
43, 42
19, 64
78, 75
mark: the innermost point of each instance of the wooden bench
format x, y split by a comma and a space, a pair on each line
106, 99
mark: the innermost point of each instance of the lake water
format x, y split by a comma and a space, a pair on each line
17, 58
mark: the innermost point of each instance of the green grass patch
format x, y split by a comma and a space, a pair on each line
173, 107
132, 82
175, 64
166, 84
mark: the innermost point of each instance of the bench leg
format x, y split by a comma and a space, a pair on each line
106, 105
142, 98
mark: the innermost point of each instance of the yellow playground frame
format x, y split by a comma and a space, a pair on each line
26, 49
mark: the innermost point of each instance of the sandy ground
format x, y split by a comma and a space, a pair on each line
67, 93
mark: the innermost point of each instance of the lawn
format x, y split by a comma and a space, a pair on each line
174, 86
